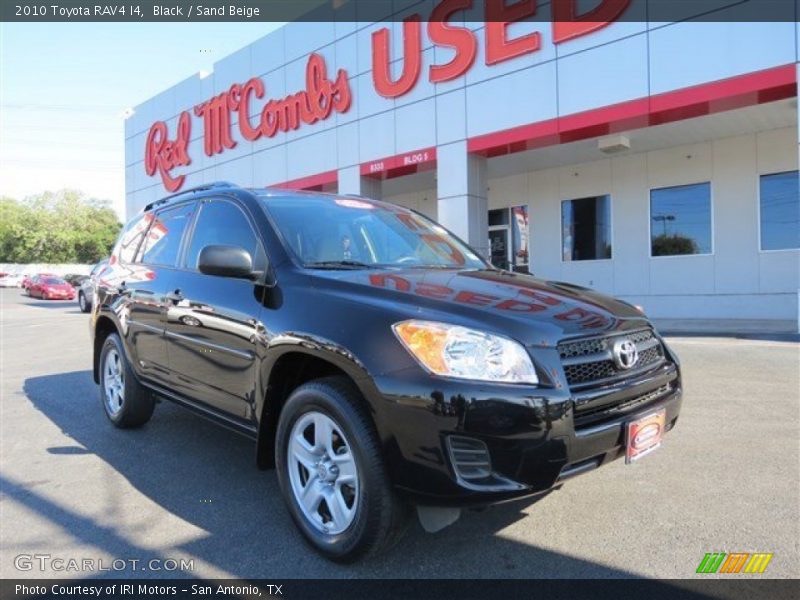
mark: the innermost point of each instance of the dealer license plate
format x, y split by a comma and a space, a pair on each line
644, 435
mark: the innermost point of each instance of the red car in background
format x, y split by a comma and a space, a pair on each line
27, 280
50, 287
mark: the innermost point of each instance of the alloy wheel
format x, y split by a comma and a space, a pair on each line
114, 382
323, 473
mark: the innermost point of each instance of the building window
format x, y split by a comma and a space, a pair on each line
586, 228
780, 211
680, 220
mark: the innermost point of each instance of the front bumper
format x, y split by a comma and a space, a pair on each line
531, 433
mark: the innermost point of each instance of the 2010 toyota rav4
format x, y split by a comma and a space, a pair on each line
376, 360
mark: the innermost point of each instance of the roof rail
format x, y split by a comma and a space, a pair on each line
199, 188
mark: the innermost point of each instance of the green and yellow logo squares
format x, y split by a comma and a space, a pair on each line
735, 562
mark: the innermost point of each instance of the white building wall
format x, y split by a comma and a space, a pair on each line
737, 281
624, 61
423, 202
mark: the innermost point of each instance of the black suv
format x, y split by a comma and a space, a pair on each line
376, 360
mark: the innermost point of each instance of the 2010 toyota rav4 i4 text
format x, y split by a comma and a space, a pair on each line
377, 361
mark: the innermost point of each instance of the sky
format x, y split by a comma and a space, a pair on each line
64, 88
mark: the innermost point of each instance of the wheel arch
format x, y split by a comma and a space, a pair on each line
103, 327
288, 370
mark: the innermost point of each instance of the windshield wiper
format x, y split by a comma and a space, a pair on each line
439, 267
338, 264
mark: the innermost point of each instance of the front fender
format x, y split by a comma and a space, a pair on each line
314, 347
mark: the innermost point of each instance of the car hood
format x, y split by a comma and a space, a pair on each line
531, 310
62, 287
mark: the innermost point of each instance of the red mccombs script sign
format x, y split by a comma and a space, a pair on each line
316, 103
323, 96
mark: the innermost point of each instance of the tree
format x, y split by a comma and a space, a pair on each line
670, 245
56, 227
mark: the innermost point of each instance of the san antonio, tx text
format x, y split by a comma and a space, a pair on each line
140, 589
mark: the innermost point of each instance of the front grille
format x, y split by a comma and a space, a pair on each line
590, 361
591, 415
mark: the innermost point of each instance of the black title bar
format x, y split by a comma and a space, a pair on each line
418, 589
109, 11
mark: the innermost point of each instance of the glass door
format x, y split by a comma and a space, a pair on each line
508, 238
499, 247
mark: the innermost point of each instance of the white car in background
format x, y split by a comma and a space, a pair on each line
86, 288
10, 280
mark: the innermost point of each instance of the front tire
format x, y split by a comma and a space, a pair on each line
83, 304
127, 403
331, 472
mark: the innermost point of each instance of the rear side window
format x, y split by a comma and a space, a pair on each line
163, 242
131, 237
223, 223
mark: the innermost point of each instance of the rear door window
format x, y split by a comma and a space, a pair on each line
131, 237
163, 243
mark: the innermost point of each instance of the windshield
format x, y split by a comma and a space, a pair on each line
324, 232
53, 281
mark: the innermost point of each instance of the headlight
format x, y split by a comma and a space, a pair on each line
454, 351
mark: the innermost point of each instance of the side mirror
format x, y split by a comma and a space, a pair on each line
226, 261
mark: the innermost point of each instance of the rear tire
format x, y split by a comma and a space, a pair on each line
126, 402
83, 304
344, 468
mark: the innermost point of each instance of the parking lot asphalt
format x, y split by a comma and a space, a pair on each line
727, 479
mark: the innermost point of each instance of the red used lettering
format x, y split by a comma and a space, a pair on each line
162, 155
461, 39
545, 298
588, 319
517, 306
475, 298
385, 85
400, 283
443, 248
568, 24
431, 290
498, 17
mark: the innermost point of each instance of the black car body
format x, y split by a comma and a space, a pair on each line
234, 348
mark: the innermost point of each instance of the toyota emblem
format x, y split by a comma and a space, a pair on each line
626, 355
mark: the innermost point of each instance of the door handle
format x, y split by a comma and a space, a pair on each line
175, 296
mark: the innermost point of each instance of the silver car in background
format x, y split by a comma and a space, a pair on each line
86, 289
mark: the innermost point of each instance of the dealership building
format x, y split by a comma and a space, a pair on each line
657, 162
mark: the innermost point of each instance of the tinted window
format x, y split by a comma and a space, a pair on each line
53, 281
222, 223
131, 237
163, 241
680, 220
586, 228
780, 211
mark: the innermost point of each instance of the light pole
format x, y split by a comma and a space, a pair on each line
664, 219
